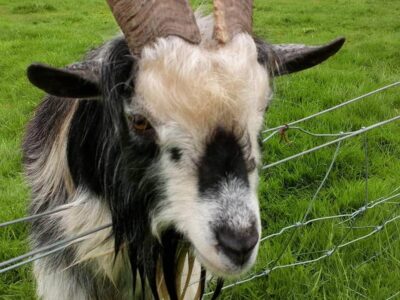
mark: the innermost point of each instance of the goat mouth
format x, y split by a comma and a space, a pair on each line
224, 267
214, 259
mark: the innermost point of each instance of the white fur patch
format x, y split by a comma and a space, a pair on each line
187, 91
200, 88
49, 173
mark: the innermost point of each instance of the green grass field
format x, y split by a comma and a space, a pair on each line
59, 32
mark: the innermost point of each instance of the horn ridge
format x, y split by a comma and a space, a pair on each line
143, 21
232, 17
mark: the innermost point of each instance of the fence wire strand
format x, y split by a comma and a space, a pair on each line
313, 134
395, 84
47, 250
39, 215
350, 216
355, 133
397, 295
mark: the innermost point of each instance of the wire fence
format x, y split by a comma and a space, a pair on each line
342, 218
327, 253
292, 229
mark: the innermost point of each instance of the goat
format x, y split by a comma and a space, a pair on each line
155, 132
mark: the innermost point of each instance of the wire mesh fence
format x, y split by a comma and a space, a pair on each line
340, 219
393, 198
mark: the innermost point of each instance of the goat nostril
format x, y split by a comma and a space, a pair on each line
237, 245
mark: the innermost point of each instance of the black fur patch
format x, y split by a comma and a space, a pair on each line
176, 154
170, 243
84, 146
223, 158
114, 163
218, 288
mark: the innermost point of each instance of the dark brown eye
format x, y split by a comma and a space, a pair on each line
140, 124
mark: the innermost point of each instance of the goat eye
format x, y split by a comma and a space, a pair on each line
139, 124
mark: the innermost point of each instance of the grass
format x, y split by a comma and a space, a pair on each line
59, 32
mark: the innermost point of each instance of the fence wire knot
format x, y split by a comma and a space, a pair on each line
330, 252
299, 224
266, 272
284, 135
363, 209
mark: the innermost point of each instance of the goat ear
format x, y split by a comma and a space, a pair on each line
66, 83
290, 58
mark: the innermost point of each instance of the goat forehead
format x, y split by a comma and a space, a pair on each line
199, 87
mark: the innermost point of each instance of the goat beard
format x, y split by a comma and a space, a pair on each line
160, 265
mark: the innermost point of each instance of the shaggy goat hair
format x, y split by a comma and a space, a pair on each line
155, 132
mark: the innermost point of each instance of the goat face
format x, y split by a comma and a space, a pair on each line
186, 128
205, 107
200, 107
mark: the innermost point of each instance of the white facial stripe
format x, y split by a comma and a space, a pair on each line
193, 90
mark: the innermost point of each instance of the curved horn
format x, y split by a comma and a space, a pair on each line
231, 18
142, 21
290, 58
293, 58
